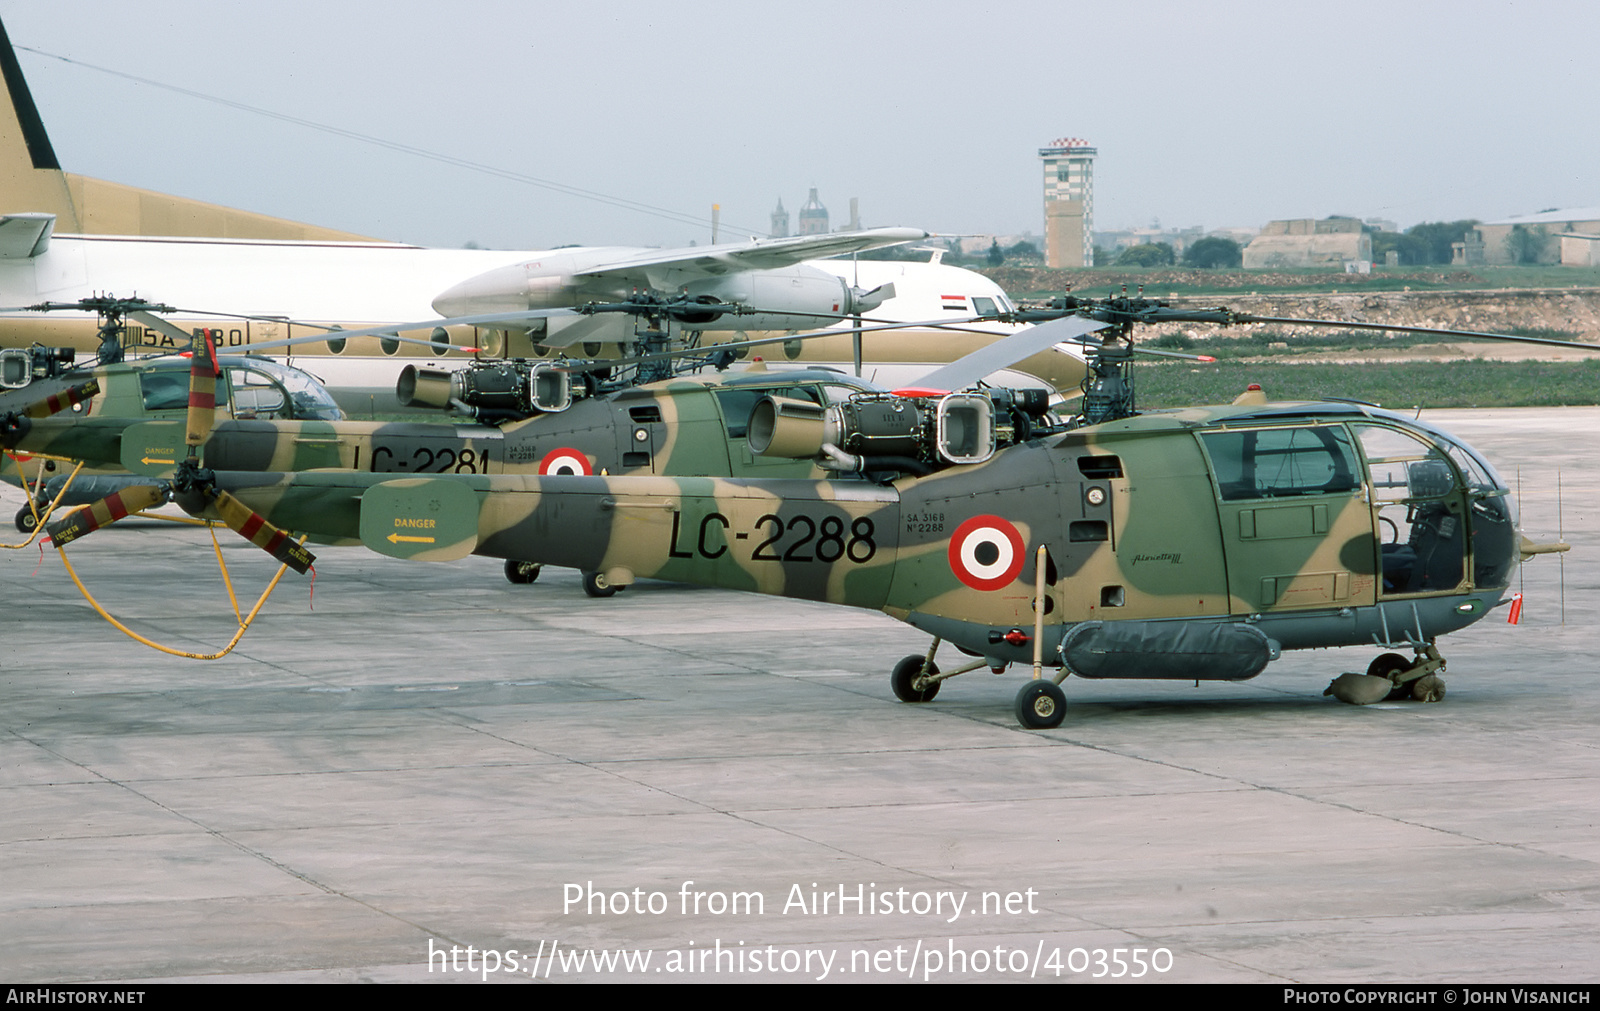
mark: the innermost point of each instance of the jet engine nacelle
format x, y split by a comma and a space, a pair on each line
550, 282
820, 296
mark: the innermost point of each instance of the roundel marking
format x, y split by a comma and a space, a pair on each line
986, 552
564, 461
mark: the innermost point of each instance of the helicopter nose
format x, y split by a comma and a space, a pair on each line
504, 289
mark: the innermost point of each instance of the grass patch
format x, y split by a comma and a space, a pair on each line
1398, 385
1160, 282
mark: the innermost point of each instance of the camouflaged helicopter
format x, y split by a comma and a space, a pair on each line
108, 397
1192, 544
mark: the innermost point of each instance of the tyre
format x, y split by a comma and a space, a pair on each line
907, 671
595, 584
522, 573
1041, 705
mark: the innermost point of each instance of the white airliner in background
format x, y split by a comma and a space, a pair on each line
65, 237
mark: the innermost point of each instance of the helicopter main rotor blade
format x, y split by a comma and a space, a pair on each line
203, 373
15, 425
105, 512
1004, 353
156, 323
253, 527
1474, 334
710, 349
55, 403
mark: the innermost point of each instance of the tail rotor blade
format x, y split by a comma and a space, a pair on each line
105, 512
249, 524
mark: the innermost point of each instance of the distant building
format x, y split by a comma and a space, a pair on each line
1309, 242
1565, 236
780, 222
1068, 202
813, 216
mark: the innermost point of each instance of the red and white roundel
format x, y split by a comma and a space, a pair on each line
986, 552
564, 461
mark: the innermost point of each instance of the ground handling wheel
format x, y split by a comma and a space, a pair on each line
27, 522
522, 572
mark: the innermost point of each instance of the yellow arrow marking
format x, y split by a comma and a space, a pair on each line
397, 538
147, 460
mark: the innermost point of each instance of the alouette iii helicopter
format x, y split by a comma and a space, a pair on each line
1190, 544
118, 394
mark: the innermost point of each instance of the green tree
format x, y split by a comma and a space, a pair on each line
1525, 244
995, 257
1151, 254
1213, 251
1438, 236
1413, 250
1022, 250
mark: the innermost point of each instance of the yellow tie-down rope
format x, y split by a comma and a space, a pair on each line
31, 491
244, 623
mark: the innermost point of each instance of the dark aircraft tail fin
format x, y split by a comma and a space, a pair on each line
31, 181
32, 178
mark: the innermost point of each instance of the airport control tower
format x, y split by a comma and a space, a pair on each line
1068, 202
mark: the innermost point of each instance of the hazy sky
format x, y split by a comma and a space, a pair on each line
1205, 113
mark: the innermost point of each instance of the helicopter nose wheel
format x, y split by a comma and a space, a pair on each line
522, 573
1041, 704
595, 584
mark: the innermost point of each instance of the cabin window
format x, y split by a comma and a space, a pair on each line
1282, 462
165, 389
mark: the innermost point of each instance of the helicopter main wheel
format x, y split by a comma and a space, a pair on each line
27, 522
522, 572
1387, 666
1041, 704
907, 671
595, 584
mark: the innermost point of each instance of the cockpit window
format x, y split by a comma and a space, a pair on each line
1401, 467
259, 388
983, 306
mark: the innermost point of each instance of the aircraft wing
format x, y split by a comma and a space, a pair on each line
25, 235
757, 254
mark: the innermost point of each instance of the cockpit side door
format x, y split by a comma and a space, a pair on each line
1419, 507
